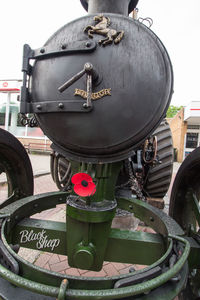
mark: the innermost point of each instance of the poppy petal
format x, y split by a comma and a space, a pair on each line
78, 177
82, 191
91, 188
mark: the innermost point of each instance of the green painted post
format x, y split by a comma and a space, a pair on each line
89, 220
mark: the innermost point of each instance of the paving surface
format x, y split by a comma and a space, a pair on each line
59, 263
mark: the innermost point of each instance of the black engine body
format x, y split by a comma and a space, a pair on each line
136, 73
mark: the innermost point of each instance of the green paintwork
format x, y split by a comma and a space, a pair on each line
97, 212
104, 176
84, 256
130, 246
63, 289
87, 233
108, 293
152, 216
88, 240
53, 230
89, 222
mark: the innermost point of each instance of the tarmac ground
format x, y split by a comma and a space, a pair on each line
43, 183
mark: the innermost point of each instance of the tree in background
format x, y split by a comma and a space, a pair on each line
172, 111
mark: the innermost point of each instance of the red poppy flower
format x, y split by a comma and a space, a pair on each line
83, 184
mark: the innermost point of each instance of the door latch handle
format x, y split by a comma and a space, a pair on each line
91, 76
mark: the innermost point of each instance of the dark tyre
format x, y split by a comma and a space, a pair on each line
184, 209
187, 178
15, 163
159, 177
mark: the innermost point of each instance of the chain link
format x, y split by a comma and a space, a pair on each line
134, 184
30, 121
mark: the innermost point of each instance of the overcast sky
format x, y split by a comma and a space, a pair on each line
175, 23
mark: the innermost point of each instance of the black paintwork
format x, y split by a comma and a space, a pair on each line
137, 70
115, 6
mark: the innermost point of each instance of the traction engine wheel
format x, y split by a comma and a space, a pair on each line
15, 163
159, 176
184, 208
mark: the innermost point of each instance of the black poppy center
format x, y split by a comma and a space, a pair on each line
84, 183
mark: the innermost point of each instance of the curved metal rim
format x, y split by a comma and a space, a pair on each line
89, 294
184, 191
101, 294
186, 178
17, 166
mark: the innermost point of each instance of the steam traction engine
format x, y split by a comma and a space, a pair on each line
99, 89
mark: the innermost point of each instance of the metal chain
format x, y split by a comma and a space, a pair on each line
30, 121
148, 20
134, 184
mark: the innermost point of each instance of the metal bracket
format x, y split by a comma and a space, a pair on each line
138, 278
76, 47
42, 54
55, 106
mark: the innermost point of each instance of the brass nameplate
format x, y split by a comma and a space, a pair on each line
95, 96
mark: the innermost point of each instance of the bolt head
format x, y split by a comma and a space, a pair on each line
85, 105
88, 44
84, 258
61, 105
88, 67
64, 46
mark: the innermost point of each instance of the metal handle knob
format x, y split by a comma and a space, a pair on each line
89, 71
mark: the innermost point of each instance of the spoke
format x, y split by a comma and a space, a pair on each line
195, 207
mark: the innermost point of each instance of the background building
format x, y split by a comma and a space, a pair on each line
185, 127
10, 119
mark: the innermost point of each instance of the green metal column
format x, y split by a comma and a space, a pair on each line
89, 219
